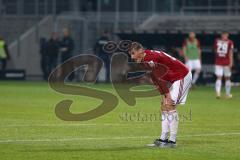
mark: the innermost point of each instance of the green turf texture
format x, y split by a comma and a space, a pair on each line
29, 128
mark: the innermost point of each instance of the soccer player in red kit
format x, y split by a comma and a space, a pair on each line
223, 48
178, 76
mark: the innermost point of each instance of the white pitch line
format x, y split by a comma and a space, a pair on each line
101, 124
61, 125
109, 138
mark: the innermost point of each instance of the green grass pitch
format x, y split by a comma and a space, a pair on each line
29, 129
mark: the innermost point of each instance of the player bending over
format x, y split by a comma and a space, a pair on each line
223, 63
180, 79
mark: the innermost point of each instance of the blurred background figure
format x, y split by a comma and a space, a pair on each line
44, 57
192, 55
66, 48
223, 48
4, 54
98, 49
52, 52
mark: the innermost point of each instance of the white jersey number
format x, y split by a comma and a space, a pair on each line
222, 48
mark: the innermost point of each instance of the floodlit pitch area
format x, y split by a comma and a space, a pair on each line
29, 128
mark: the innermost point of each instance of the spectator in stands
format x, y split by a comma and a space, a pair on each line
98, 49
66, 48
44, 57
52, 51
192, 55
4, 53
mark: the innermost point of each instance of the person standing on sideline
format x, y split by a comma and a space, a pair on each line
192, 55
98, 49
223, 48
44, 57
4, 54
52, 52
67, 46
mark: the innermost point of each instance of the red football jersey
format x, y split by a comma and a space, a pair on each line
176, 70
222, 51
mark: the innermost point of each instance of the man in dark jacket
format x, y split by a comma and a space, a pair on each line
98, 49
44, 57
53, 50
67, 46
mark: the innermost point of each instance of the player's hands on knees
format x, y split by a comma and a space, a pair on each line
167, 100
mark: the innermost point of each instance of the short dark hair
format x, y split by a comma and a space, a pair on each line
135, 46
